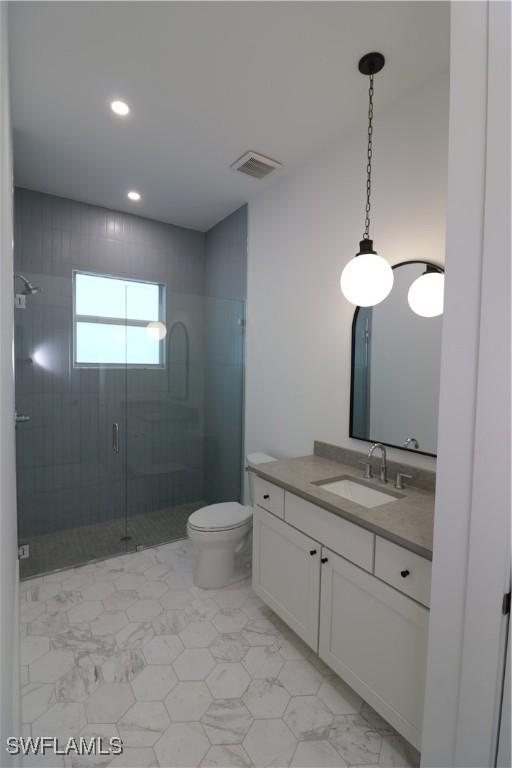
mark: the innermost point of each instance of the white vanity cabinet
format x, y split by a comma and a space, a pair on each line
375, 638
286, 573
353, 606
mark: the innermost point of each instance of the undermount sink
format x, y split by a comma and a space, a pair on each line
358, 493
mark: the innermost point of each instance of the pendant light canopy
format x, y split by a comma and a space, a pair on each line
426, 294
367, 278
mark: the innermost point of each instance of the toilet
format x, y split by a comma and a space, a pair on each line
221, 534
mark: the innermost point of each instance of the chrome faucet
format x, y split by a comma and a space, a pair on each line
383, 472
411, 441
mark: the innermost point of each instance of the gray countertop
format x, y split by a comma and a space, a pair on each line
408, 521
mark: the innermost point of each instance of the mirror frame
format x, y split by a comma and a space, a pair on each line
438, 268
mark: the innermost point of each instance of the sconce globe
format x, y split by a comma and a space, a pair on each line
426, 294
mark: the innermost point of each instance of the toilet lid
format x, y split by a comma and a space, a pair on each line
220, 517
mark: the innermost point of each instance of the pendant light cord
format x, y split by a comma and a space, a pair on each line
366, 234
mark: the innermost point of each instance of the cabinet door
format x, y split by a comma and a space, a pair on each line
376, 639
286, 573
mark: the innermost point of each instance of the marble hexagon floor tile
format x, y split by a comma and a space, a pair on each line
300, 678
182, 744
355, 740
194, 664
33, 648
230, 620
308, 718
62, 721
339, 697
226, 756
88, 610
109, 623
123, 666
270, 742
143, 724
109, 703
188, 702
187, 676
319, 754
263, 661
37, 698
135, 757
226, 721
228, 680
229, 647
198, 634
266, 698
50, 667
104, 731
154, 682
144, 609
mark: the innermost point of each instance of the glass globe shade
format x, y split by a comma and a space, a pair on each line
366, 280
426, 294
156, 330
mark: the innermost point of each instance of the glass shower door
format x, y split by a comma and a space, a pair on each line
165, 416
71, 455
184, 420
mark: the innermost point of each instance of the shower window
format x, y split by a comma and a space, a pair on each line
117, 322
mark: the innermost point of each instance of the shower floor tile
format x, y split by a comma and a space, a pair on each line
76, 546
130, 647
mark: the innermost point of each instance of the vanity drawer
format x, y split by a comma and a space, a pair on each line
346, 539
403, 570
269, 496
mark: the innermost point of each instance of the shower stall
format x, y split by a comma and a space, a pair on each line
130, 390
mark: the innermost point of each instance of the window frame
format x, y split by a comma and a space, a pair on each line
100, 319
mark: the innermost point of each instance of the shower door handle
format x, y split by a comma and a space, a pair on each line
115, 437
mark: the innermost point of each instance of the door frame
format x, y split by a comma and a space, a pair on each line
471, 566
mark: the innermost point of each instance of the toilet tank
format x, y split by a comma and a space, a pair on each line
253, 459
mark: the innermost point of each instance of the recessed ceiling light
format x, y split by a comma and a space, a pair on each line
134, 195
120, 108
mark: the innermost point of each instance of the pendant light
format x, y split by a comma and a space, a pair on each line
426, 294
367, 278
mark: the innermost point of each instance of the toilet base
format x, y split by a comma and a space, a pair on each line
215, 567
220, 562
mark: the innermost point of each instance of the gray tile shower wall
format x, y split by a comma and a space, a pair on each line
53, 234
68, 475
225, 276
226, 263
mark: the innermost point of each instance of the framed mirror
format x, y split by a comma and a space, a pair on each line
396, 354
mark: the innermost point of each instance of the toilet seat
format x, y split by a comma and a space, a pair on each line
225, 516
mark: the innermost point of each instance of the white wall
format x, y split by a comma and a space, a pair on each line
9, 658
302, 231
471, 565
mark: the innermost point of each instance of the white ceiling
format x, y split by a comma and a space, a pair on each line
206, 81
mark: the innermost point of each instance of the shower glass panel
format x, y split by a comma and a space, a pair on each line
134, 422
184, 421
71, 462
138, 346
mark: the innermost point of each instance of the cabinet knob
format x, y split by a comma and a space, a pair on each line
312, 552
324, 560
266, 495
404, 574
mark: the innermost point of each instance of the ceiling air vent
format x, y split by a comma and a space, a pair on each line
255, 165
